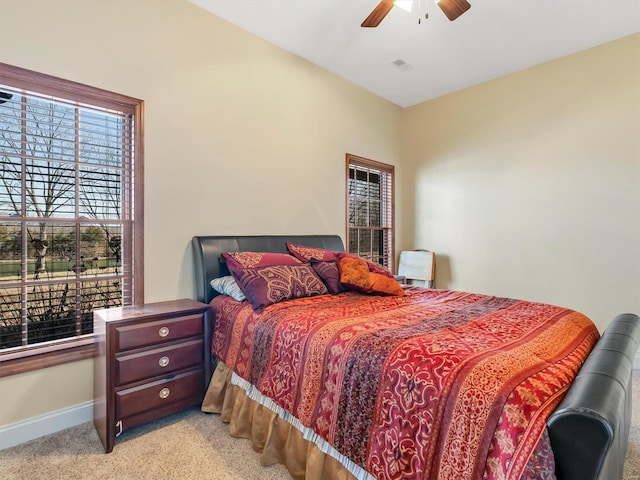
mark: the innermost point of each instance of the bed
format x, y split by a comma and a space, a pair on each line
354, 419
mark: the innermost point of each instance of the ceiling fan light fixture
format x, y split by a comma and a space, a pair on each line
406, 5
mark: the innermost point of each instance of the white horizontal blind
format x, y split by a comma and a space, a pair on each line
66, 214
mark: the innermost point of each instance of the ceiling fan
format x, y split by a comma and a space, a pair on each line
451, 8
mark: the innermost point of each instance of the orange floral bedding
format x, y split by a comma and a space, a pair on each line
431, 385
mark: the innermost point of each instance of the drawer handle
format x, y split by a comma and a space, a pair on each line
163, 332
164, 393
164, 361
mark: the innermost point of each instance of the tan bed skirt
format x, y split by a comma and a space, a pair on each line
274, 438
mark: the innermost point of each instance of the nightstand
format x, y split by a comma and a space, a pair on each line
151, 360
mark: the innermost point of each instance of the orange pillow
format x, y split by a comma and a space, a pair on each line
383, 284
355, 275
354, 271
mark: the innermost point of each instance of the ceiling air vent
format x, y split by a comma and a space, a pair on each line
402, 65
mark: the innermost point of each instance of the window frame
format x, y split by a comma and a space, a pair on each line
384, 169
37, 356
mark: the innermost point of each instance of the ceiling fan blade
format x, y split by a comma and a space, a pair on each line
378, 13
454, 8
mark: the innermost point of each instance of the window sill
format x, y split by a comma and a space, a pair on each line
38, 357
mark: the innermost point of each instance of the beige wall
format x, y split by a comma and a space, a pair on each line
528, 186
240, 136
41, 391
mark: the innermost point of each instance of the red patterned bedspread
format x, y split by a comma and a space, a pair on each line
433, 385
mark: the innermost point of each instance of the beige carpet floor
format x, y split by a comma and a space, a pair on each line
632, 462
190, 445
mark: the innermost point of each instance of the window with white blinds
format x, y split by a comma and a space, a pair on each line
70, 195
370, 210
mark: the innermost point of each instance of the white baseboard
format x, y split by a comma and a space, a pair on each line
51, 422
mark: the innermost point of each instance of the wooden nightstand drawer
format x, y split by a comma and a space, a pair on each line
152, 360
157, 394
139, 335
161, 360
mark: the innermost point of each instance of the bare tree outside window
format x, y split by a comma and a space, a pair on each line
66, 214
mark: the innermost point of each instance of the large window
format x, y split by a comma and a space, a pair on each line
70, 211
370, 207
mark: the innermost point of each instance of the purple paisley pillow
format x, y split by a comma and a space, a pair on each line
305, 254
329, 273
264, 286
237, 260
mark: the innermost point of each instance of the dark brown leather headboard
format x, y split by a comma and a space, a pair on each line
207, 251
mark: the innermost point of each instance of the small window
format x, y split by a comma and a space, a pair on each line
70, 197
370, 210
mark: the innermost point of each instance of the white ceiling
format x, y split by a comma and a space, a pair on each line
492, 39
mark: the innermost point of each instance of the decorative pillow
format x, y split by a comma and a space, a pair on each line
228, 286
238, 260
329, 273
264, 286
355, 275
373, 267
384, 285
305, 254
